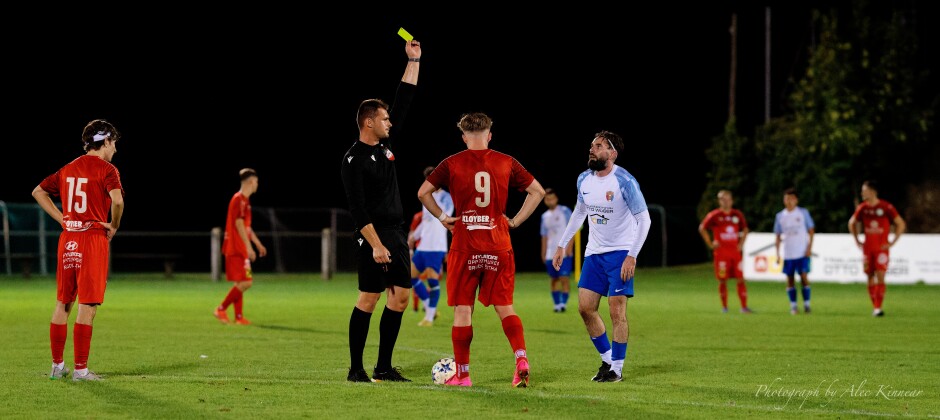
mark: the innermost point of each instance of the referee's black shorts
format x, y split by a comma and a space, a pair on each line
374, 277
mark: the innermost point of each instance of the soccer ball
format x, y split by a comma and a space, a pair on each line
443, 370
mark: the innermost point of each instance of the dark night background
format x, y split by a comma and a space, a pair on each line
199, 95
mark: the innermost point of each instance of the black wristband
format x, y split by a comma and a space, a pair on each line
416, 59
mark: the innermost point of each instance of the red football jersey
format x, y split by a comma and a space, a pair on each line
238, 208
726, 227
84, 186
479, 183
415, 221
876, 221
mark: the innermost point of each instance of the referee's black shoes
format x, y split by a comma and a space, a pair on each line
358, 375
393, 375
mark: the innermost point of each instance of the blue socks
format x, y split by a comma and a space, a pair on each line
618, 351
601, 343
435, 292
420, 289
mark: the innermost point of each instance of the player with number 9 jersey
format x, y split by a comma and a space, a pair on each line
479, 181
480, 263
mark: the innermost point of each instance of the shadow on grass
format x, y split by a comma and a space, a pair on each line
284, 328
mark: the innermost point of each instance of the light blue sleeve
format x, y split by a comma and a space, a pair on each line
447, 203
630, 190
808, 218
580, 180
543, 230
778, 228
566, 212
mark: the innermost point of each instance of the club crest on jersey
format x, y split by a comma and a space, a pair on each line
610, 196
734, 219
879, 212
388, 154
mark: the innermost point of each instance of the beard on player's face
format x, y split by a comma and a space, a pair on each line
597, 164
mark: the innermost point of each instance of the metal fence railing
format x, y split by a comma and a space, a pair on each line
298, 240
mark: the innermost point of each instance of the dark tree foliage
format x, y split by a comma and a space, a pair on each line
856, 113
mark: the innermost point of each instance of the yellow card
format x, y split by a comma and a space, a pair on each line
404, 34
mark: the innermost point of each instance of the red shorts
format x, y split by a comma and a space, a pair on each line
875, 260
493, 273
237, 268
728, 264
82, 267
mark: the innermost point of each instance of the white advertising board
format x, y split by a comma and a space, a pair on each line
915, 258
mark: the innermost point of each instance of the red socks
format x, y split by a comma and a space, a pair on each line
461, 337
57, 335
238, 305
233, 296
877, 294
742, 294
512, 327
723, 292
82, 341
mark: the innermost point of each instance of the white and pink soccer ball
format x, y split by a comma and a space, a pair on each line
443, 370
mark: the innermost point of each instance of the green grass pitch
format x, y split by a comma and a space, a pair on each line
163, 354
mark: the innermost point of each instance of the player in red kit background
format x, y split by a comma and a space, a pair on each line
412, 244
875, 217
481, 256
90, 190
728, 229
236, 246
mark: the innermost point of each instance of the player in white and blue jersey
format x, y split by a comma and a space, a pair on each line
618, 219
795, 229
554, 222
428, 258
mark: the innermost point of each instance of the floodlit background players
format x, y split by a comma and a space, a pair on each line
876, 216
430, 239
795, 229
728, 229
552, 227
237, 247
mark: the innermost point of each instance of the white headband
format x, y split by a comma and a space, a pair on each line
101, 135
608, 142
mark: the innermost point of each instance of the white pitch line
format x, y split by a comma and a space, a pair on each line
539, 393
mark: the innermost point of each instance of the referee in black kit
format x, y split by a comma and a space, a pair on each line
371, 184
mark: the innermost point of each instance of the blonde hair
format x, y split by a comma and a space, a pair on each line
474, 122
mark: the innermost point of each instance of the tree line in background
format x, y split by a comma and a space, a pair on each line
857, 112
